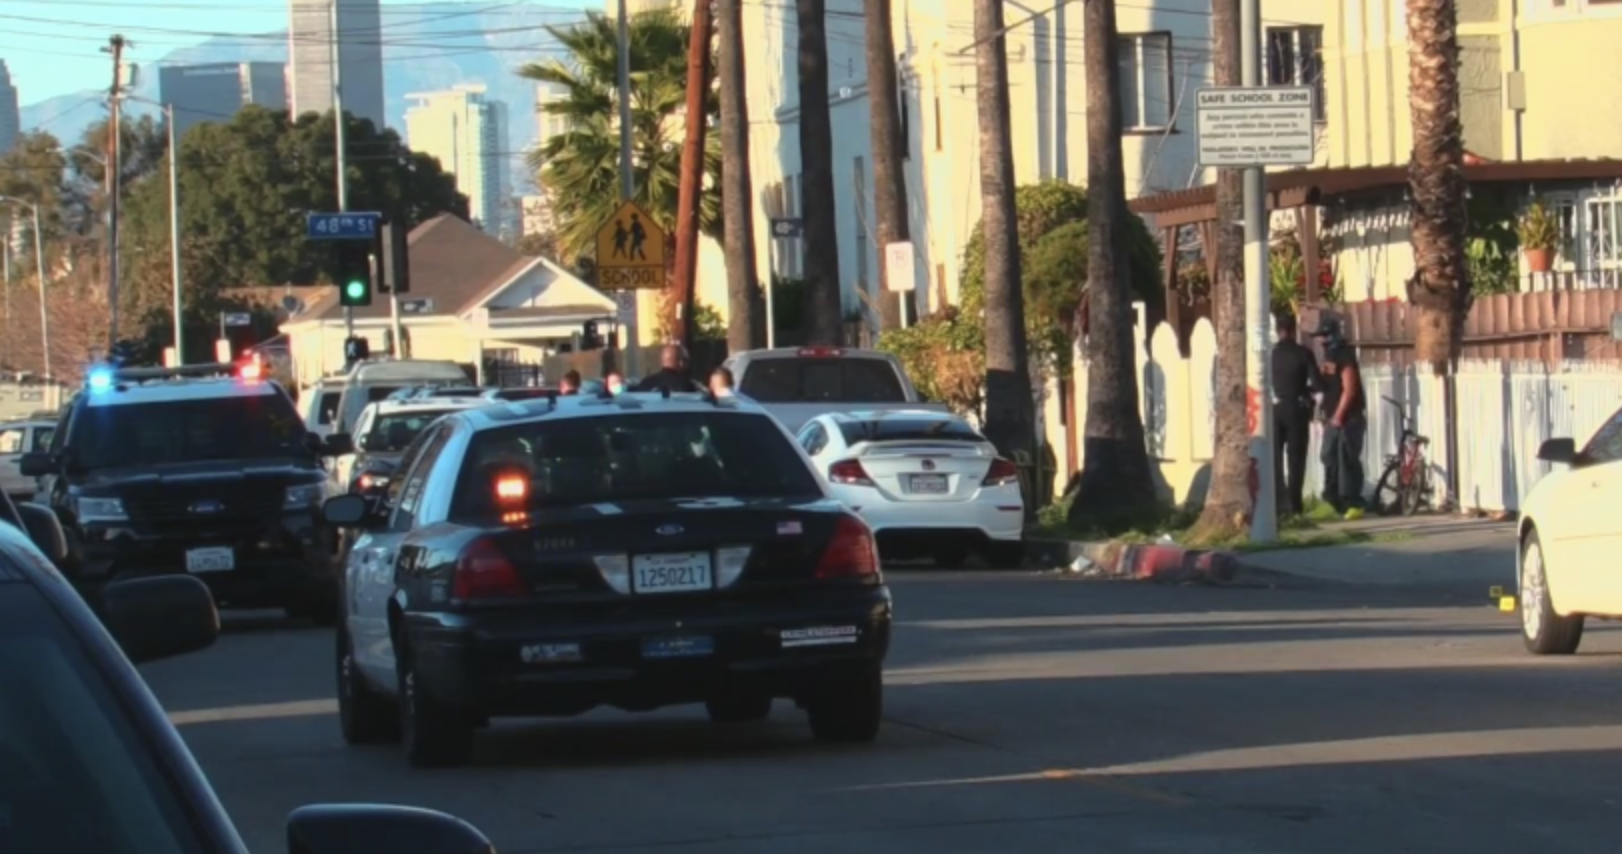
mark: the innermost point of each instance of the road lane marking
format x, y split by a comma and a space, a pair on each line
265, 711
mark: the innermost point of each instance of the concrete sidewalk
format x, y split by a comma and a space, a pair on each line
1471, 555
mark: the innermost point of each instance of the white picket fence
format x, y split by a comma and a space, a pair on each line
1506, 410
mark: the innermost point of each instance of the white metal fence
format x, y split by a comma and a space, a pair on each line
1506, 410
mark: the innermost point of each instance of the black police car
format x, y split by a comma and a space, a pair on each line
206, 470
88, 759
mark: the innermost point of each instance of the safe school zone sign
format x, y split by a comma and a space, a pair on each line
1254, 127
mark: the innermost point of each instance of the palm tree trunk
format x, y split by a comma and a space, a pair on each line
1010, 416
1436, 182
1227, 503
824, 301
1115, 482
692, 171
889, 161
744, 306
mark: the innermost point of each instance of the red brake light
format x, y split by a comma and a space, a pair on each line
851, 552
1001, 473
251, 370
484, 573
850, 473
821, 352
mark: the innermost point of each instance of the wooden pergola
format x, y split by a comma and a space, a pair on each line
1305, 190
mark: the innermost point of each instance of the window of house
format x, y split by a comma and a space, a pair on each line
1146, 96
1295, 58
502, 355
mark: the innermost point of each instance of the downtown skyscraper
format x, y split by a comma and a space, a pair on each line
359, 49
10, 116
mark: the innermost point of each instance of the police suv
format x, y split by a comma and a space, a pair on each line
206, 470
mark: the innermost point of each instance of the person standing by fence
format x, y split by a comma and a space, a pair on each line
1295, 380
1345, 422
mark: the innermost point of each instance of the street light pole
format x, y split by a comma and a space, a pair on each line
633, 351
1258, 297
174, 228
340, 139
39, 266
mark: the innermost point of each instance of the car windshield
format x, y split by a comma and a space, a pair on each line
909, 430
634, 456
156, 433
813, 379
75, 774
393, 432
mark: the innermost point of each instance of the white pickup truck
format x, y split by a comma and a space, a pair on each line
797, 384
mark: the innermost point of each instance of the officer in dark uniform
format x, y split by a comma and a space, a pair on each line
1295, 381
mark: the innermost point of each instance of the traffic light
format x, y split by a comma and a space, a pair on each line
354, 272
590, 338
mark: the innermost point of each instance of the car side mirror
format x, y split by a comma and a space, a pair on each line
347, 828
338, 444
45, 530
1561, 450
160, 617
36, 464
347, 511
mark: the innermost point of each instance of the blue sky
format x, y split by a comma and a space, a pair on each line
52, 47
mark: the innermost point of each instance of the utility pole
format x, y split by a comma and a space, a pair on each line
692, 170
633, 350
114, 177
889, 173
5, 252
340, 142
1258, 300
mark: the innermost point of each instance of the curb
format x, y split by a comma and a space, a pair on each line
1152, 562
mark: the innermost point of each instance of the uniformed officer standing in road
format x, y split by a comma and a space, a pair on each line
1295, 381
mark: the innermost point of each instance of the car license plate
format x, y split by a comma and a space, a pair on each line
927, 484
671, 573
220, 559
683, 647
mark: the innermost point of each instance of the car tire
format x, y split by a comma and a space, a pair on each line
739, 708
433, 735
849, 709
1544, 631
1004, 554
365, 715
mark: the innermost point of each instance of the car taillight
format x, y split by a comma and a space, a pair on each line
820, 352
1001, 473
483, 573
851, 552
849, 472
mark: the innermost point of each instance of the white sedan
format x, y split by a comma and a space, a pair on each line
927, 483
1570, 536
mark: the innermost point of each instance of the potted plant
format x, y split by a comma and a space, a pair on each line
1539, 233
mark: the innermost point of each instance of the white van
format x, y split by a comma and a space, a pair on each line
319, 403
373, 381
18, 438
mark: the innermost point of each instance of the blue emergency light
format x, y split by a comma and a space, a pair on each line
100, 379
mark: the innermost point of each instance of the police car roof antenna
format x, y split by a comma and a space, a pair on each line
664, 393
552, 399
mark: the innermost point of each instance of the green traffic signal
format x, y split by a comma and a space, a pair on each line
354, 273
355, 290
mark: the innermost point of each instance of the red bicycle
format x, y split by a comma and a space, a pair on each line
1405, 484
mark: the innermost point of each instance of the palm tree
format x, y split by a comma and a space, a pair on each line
1115, 478
745, 306
579, 168
1010, 414
1436, 182
824, 300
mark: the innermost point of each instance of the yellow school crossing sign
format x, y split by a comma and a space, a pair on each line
630, 251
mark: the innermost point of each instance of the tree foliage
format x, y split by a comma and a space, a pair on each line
247, 184
580, 168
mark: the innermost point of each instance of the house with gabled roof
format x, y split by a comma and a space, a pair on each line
472, 299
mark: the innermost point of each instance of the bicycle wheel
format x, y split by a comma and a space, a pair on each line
1388, 492
1410, 495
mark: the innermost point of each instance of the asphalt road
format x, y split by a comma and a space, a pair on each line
1024, 714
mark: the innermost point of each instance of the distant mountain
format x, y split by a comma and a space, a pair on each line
443, 44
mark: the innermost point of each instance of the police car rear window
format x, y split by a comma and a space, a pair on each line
162, 432
618, 458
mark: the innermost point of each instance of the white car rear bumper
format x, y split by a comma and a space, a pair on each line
998, 513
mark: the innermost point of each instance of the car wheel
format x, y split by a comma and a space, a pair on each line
1003, 554
433, 736
849, 709
367, 717
1545, 632
739, 708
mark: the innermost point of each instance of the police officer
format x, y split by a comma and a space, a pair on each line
1295, 380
